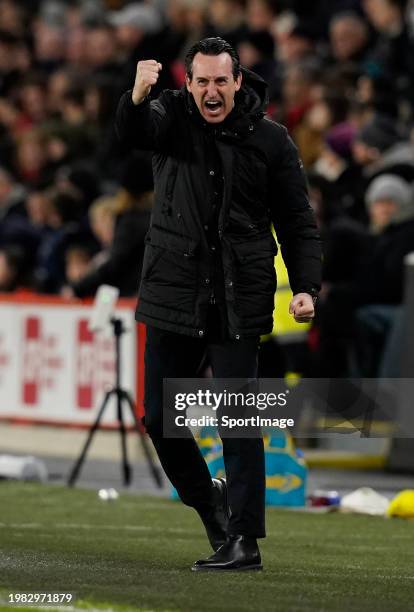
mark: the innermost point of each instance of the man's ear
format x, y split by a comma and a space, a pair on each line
188, 83
239, 81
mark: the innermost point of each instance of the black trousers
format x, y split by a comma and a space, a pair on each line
170, 355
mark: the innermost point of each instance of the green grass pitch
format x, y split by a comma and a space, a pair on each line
136, 553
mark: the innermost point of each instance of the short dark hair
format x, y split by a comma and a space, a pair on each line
212, 46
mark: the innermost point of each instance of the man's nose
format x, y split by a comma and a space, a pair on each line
211, 90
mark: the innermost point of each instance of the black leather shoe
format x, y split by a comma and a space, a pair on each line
238, 553
216, 521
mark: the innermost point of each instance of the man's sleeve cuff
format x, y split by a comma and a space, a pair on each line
136, 107
312, 291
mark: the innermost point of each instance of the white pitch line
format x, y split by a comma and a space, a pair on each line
96, 527
51, 608
146, 528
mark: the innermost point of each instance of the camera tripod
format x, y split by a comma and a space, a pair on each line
122, 396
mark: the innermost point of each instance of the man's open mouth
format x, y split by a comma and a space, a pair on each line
213, 106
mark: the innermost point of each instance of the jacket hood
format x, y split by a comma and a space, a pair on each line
253, 96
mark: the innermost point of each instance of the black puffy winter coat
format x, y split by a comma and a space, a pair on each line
263, 183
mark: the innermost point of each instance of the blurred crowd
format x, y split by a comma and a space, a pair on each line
75, 207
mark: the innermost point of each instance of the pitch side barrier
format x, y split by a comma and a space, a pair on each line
54, 370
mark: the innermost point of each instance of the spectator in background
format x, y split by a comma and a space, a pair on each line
298, 89
324, 113
257, 52
382, 146
102, 221
71, 137
120, 263
63, 217
349, 38
390, 204
57, 85
261, 14
80, 178
37, 208
14, 268
377, 94
49, 46
101, 50
15, 61
75, 52
120, 223
320, 12
12, 196
12, 17
78, 260
344, 184
32, 165
389, 199
133, 23
394, 52
32, 99
17, 227
140, 32
345, 245
297, 44
227, 18
186, 22
100, 101
391, 208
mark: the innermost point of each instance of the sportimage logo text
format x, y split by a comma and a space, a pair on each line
225, 421
214, 401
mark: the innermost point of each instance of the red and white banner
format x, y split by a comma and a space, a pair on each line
53, 369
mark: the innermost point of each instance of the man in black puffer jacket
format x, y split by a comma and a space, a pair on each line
223, 173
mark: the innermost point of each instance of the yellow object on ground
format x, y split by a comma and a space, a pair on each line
402, 505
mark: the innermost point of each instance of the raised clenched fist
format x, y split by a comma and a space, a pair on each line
146, 77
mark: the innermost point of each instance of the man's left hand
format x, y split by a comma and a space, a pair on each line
302, 307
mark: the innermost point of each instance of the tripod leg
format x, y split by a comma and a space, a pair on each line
78, 465
126, 468
155, 471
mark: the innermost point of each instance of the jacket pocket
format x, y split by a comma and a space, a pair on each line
252, 250
170, 269
254, 277
170, 241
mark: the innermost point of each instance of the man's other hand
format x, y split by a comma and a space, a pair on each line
302, 307
146, 77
